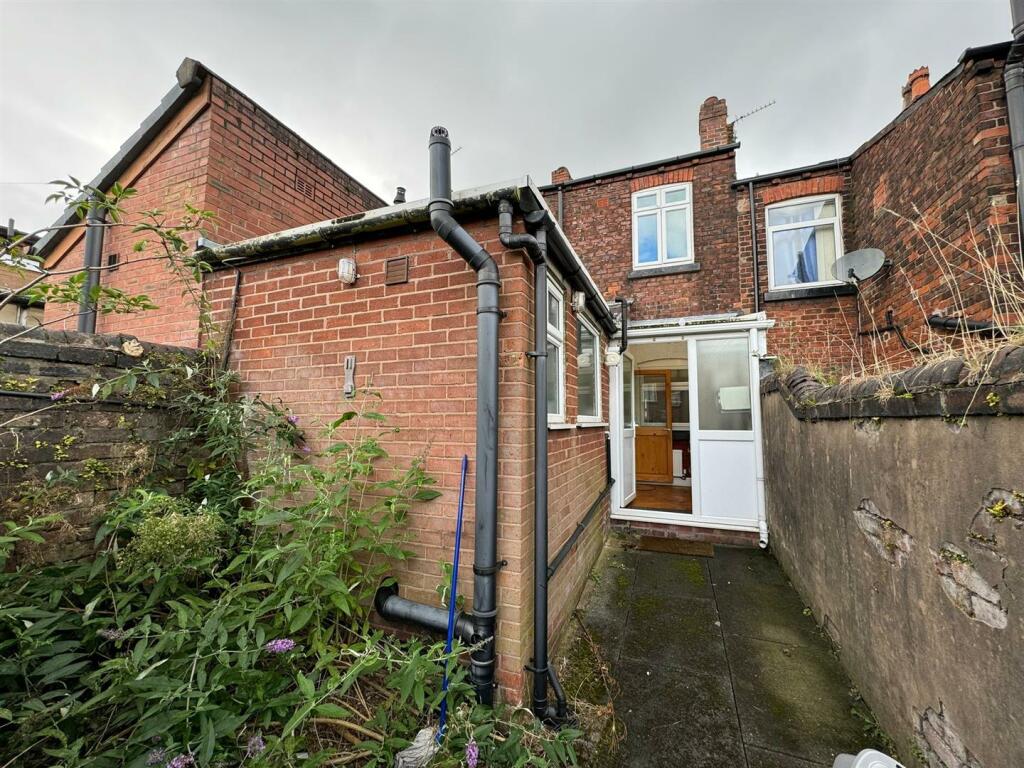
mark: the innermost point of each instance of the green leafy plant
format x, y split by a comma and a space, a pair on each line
229, 624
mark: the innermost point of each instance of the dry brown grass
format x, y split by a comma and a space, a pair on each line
982, 279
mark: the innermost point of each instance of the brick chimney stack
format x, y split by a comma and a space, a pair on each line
916, 87
560, 175
715, 130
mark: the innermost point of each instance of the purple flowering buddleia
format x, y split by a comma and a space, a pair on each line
293, 420
472, 753
255, 746
281, 645
182, 761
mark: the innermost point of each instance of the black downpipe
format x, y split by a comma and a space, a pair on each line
478, 627
94, 232
488, 283
753, 247
1013, 80
536, 247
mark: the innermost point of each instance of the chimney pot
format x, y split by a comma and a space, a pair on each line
399, 195
916, 87
713, 123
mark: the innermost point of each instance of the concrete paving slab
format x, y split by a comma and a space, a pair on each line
744, 565
670, 632
676, 575
766, 611
696, 694
793, 699
609, 600
678, 720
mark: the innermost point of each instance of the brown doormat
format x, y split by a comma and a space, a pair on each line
676, 546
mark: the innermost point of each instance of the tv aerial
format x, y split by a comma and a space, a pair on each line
857, 266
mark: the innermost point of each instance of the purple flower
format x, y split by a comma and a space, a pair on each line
255, 745
182, 761
156, 756
293, 420
281, 645
306, 449
58, 395
472, 753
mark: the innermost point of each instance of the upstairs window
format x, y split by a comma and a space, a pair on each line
663, 226
804, 241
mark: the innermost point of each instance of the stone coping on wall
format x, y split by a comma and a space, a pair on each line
115, 350
945, 388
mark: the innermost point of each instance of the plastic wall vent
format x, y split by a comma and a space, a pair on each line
396, 271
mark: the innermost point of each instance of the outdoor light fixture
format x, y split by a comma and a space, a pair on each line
347, 270
579, 301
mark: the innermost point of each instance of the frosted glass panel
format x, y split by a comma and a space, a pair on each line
647, 201
723, 384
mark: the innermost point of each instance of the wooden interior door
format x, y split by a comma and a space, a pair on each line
653, 426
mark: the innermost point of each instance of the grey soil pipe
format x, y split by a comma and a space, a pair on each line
536, 246
94, 232
488, 313
1013, 78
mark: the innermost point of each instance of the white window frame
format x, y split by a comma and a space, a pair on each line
660, 209
556, 336
587, 418
837, 226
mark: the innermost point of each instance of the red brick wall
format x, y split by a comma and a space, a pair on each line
597, 218
415, 343
263, 178
252, 172
946, 162
175, 177
820, 331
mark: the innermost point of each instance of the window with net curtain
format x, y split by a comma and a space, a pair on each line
804, 241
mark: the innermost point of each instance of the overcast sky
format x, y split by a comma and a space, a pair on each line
523, 87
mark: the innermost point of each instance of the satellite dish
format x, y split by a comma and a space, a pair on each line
858, 265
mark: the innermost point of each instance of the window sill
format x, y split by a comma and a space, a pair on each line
585, 424
675, 269
559, 425
813, 292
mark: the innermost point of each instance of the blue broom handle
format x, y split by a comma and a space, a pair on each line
451, 599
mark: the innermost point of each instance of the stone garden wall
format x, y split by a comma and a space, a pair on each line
897, 509
63, 452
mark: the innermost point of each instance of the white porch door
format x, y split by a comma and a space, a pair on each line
628, 466
723, 377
